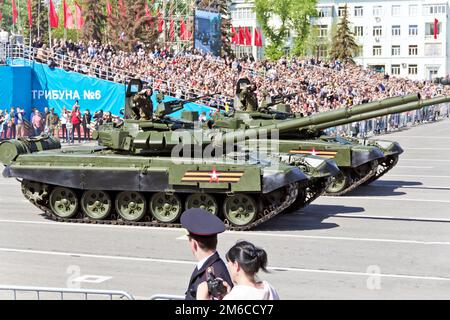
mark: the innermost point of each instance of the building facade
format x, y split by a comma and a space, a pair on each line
395, 37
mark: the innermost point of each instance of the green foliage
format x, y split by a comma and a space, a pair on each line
293, 15
95, 20
343, 46
58, 33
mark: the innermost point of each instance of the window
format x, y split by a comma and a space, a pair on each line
412, 69
323, 31
412, 50
359, 31
434, 9
429, 29
377, 31
323, 51
359, 51
395, 50
413, 30
341, 11
413, 10
377, 50
395, 69
395, 30
359, 11
324, 12
395, 11
433, 49
377, 11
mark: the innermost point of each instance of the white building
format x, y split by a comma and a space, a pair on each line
396, 37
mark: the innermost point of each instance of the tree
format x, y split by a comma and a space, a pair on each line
288, 15
95, 20
343, 46
59, 33
132, 25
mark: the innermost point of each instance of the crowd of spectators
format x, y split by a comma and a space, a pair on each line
320, 86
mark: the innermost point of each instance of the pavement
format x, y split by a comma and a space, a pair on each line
389, 240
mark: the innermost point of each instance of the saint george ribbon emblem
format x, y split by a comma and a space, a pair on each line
314, 152
213, 176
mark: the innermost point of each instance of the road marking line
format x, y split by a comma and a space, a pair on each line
414, 167
260, 234
407, 187
427, 137
416, 176
432, 160
353, 273
435, 149
91, 279
385, 199
419, 219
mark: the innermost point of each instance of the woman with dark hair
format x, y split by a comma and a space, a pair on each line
244, 261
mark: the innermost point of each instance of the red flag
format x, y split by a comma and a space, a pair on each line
258, 38
235, 36
1, 16
241, 37
160, 22
108, 8
148, 15
248, 37
53, 16
79, 20
172, 29
183, 34
436, 27
30, 15
68, 18
14, 12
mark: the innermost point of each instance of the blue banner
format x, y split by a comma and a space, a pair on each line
56, 88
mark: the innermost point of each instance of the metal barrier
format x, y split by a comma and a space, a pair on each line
61, 292
166, 297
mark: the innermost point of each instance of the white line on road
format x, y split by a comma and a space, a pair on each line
108, 257
431, 160
263, 234
416, 176
420, 137
385, 199
434, 149
407, 187
421, 219
414, 167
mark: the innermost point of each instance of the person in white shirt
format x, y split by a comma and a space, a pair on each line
244, 262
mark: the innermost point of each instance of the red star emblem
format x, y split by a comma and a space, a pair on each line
214, 176
313, 152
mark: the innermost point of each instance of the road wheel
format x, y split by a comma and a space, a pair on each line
203, 201
339, 183
240, 209
64, 202
96, 205
165, 207
131, 206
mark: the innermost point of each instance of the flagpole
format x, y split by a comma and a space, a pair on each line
39, 19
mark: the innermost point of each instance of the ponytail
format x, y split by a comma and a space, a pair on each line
250, 258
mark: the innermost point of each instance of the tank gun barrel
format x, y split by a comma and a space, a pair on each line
384, 112
318, 119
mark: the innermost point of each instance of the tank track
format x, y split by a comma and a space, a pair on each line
382, 169
114, 219
353, 186
313, 191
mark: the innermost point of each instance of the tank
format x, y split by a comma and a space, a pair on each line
146, 173
360, 163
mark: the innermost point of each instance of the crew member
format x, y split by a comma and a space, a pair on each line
142, 105
203, 228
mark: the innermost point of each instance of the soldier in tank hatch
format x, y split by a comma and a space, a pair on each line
143, 105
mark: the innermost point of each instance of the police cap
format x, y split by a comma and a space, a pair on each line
200, 222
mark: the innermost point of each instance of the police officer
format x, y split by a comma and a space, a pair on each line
203, 228
142, 105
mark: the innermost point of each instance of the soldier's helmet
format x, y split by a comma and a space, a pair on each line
160, 97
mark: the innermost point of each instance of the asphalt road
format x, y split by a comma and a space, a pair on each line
389, 240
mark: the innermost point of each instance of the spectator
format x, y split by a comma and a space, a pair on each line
86, 122
12, 124
53, 123
65, 118
76, 122
37, 122
244, 261
19, 119
6, 126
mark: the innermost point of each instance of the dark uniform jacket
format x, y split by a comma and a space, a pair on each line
199, 276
